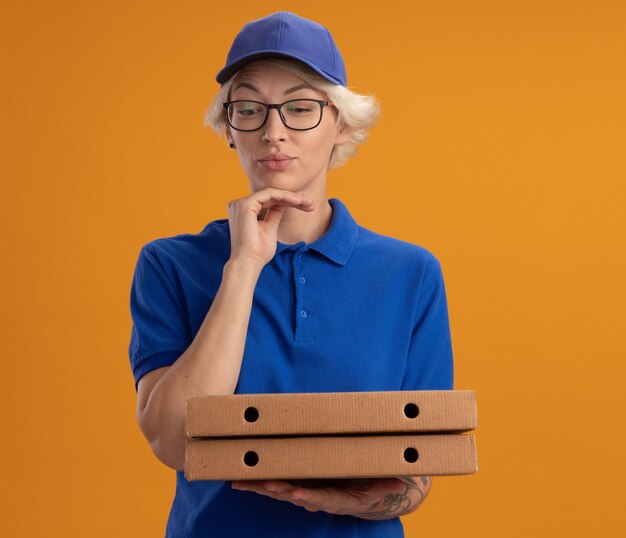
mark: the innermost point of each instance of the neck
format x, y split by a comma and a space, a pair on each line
308, 226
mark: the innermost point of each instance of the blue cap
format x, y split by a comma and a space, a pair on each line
286, 34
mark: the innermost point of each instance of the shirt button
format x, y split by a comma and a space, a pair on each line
302, 280
298, 254
303, 313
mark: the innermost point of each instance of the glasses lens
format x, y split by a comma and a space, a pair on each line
301, 114
246, 115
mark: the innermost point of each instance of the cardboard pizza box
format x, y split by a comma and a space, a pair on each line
262, 415
327, 457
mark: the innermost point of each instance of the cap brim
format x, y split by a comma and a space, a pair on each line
229, 71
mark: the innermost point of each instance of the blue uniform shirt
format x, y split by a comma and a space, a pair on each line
352, 311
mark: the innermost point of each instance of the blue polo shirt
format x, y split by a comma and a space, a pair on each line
352, 311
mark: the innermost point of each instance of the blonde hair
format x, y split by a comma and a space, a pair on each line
356, 112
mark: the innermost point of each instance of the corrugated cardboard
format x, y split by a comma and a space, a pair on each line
329, 457
252, 415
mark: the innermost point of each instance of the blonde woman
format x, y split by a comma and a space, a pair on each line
287, 294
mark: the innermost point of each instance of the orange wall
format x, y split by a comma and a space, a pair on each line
500, 149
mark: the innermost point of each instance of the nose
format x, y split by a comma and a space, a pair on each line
274, 129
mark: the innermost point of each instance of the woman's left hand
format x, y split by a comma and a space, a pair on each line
371, 498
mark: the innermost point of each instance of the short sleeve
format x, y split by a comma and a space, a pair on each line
429, 363
160, 332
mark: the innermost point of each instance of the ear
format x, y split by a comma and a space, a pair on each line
229, 136
343, 135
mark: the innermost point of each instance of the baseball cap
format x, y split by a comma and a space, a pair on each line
285, 34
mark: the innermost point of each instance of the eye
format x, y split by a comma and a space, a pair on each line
246, 109
300, 107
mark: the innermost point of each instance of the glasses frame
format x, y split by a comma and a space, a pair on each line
277, 106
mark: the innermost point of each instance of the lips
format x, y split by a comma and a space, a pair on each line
276, 161
276, 164
276, 157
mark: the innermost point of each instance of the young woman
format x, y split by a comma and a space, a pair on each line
288, 294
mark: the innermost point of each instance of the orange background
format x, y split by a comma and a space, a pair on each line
500, 149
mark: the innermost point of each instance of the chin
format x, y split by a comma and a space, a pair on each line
278, 180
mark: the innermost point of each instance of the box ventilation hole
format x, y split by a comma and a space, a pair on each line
250, 458
411, 455
251, 414
411, 410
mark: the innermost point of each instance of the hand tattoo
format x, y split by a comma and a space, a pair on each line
398, 504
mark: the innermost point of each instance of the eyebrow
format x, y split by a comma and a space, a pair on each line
286, 92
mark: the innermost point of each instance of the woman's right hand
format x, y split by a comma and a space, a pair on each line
254, 220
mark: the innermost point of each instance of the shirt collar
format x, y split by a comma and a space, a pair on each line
338, 241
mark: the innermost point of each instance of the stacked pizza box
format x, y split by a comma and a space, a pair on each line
330, 435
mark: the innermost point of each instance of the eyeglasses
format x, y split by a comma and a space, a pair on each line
297, 114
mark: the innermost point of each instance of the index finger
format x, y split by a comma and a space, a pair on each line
279, 196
